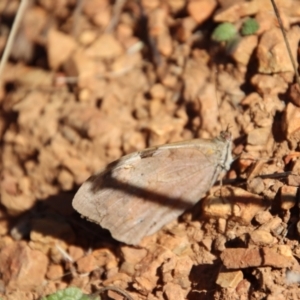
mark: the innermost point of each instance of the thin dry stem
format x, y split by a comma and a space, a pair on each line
286, 41
117, 9
76, 16
13, 32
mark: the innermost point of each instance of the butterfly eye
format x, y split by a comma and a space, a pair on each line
225, 135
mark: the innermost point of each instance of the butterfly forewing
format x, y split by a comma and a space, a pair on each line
138, 194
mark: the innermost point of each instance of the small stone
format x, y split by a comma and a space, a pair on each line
85, 68
146, 271
173, 291
263, 217
291, 123
86, 37
125, 62
145, 284
256, 185
271, 50
201, 10
60, 46
168, 269
233, 203
77, 168
229, 279
17, 204
275, 224
158, 91
115, 280
294, 94
75, 252
133, 255
259, 136
5, 241
105, 47
279, 256
207, 242
65, 179
127, 268
217, 206
158, 29
105, 257
203, 256
244, 49
78, 281
243, 288
285, 250
86, 264
55, 272
21, 267
169, 265
266, 84
277, 294
261, 238
112, 272
183, 267
175, 6
177, 244
288, 197
293, 180
186, 29
222, 223
219, 243
246, 159
194, 232
232, 11
236, 258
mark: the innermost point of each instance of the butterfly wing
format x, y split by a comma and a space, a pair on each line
140, 193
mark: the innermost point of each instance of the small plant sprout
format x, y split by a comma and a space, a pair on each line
250, 26
224, 32
228, 33
71, 293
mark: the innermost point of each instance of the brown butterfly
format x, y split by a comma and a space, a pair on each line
138, 194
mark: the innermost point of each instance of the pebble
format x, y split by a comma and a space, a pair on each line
60, 46
288, 196
277, 257
229, 278
22, 268
261, 238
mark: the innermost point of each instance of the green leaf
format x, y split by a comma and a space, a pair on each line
71, 293
224, 32
250, 26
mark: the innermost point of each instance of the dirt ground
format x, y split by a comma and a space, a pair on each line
89, 81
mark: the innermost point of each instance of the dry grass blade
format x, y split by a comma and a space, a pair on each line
286, 41
117, 9
16, 24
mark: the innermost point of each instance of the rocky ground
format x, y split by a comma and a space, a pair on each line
92, 80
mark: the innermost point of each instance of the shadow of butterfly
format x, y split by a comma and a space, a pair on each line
138, 194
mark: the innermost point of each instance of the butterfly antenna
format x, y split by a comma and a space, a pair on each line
228, 128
